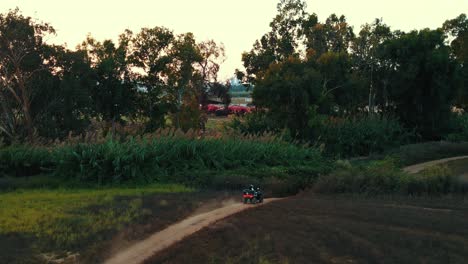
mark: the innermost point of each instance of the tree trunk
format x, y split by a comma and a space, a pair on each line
371, 93
26, 105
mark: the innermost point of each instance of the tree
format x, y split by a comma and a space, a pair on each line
335, 35
339, 93
62, 102
457, 29
368, 65
423, 80
213, 56
150, 54
21, 59
114, 94
184, 81
289, 91
278, 44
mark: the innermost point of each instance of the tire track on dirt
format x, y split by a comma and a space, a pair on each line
144, 249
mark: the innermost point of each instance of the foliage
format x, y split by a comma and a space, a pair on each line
165, 159
422, 81
352, 136
255, 123
384, 177
160, 160
421, 152
114, 94
21, 60
23, 160
295, 89
457, 29
369, 67
459, 128
49, 91
414, 76
362, 135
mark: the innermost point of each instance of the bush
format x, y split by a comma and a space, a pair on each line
362, 135
433, 181
340, 137
384, 177
459, 127
422, 152
255, 123
20, 160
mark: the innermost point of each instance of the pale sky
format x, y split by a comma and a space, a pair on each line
236, 23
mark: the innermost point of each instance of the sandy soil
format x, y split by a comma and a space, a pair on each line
421, 166
142, 250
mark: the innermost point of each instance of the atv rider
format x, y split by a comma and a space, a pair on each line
259, 194
256, 191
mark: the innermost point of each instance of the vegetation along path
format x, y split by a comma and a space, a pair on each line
142, 250
421, 166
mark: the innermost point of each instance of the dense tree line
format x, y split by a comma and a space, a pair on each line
305, 72
49, 90
304, 68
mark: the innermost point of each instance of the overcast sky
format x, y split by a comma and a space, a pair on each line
236, 23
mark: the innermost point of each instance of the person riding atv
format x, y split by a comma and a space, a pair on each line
252, 195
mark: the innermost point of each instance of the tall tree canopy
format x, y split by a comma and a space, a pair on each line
21, 61
49, 91
423, 80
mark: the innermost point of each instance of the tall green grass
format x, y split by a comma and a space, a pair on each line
164, 159
174, 159
25, 160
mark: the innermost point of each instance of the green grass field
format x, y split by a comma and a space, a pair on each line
37, 221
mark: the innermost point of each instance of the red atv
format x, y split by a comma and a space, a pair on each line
252, 196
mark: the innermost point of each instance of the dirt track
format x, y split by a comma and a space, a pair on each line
421, 166
174, 233
145, 249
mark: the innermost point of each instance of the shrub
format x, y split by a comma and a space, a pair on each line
433, 181
19, 160
459, 127
341, 137
375, 178
362, 135
255, 123
384, 177
421, 152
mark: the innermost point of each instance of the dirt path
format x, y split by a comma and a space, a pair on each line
421, 166
176, 232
